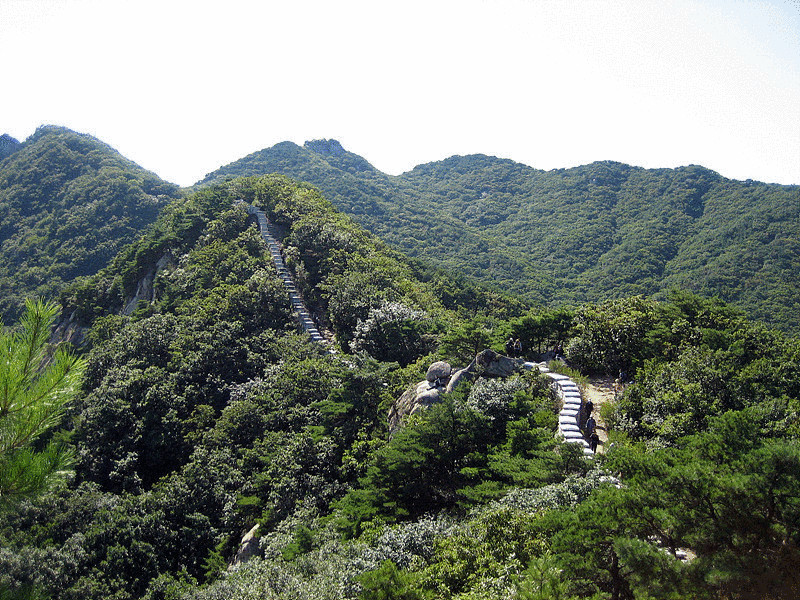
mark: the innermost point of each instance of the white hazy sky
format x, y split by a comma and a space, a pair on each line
183, 87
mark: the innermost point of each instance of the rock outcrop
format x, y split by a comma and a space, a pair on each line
420, 395
144, 289
440, 379
69, 330
492, 364
248, 548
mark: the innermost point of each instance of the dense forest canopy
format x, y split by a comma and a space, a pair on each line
603, 230
204, 412
68, 204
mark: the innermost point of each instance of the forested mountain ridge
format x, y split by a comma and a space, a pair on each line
8, 145
205, 414
603, 230
68, 204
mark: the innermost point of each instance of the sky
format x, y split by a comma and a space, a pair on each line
184, 87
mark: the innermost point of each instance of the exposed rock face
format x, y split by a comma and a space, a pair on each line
468, 373
493, 364
144, 289
248, 548
441, 379
69, 330
420, 395
439, 372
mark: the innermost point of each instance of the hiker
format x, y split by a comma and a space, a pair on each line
594, 439
517, 347
589, 408
510, 346
590, 425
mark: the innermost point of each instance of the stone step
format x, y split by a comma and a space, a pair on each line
580, 442
557, 376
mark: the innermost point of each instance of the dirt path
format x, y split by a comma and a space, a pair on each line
600, 390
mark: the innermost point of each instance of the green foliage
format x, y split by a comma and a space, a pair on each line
203, 411
36, 385
479, 556
389, 583
730, 366
611, 337
394, 333
301, 544
464, 341
543, 580
69, 204
556, 366
586, 234
539, 330
24, 592
460, 452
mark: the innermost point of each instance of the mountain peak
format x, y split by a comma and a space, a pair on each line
324, 147
8, 145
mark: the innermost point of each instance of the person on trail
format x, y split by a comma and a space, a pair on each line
590, 425
517, 347
594, 439
589, 408
510, 347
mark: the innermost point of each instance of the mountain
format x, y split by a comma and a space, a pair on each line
8, 145
603, 230
68, 204
211, 431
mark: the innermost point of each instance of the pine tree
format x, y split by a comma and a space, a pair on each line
35, 386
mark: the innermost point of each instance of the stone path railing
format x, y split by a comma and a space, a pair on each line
300, 310
569, 417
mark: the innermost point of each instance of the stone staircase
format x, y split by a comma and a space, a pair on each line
569, 417
300, 310
567, 390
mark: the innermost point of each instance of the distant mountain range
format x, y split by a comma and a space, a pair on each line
603, 230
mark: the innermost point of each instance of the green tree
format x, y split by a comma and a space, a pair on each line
35, 387
389, 583
465, 340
